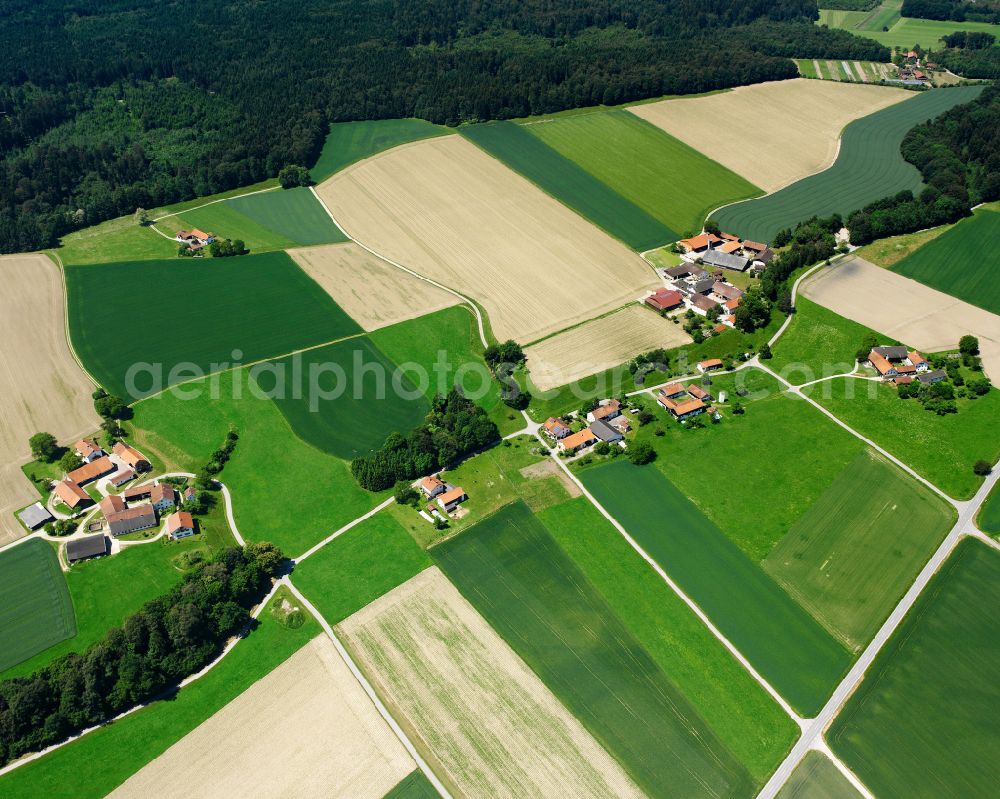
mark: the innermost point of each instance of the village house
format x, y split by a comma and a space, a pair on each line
138, 492
451, 499
556, 428
751, 249
120, 478
132, 519
699, 243
34, 516
578, 441
91, 471
72, 495
608, 409
685, 272
620, 423
195, 237
432, 486
730, 247
605, 432
672, 390
701, 304
710, 365
698, 392
892, 362
111, 504
724, 292
762, 259
665, 299
190, 494
179, 525
88, 450
163, 497
931, 377
93, 546
135, 459
681, 407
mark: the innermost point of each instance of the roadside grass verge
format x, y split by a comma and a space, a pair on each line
517, 577
367, 561
942, 449
989, 513
36, 611
295, 214
791, 649
348, 142
934, 682
194, 311
100, 761
739, 711
850, 558
868, 168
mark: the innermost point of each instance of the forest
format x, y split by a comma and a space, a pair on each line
110, 105
171, 637
955, 10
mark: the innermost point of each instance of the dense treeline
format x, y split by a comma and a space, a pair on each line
850, 5
958, 155
109, 105
454, 428
808, 243
956, 10
169, 638
979, 62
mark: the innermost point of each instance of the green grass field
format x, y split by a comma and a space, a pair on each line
790, 648
570, 183
195, 311
224, 222
989, 514
942, 449
868, 168
360, 566
352, 396
737, 709
807, 69
518, 578
106, 590
413, 786
295, 214
669, 180
926, 721
118, 239
854, 553
100, 761
284, 490
818, 343
817, 778
36, 611
956, 263
348, 142
904, 32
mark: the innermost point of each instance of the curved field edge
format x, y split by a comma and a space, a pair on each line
349, 142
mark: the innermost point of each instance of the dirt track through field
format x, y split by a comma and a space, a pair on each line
41, 386
447, 210
904, 309
493, 727
771, 133
374, 293
599, 345
306, 729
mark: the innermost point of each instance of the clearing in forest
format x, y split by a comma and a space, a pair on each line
447, 210
488, 723
374, 293
306, 729
795, 131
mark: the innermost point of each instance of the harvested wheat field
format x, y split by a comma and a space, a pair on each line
771, 133
447, 210
375, 294
905, 309
491, 726
306, 729
41, 385
599, 345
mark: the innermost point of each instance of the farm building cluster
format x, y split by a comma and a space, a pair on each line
606, 423
445, 496
684, 402
899, 365
118, 467
194, 239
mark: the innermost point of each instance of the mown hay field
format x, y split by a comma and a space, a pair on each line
306, 729
534, 596
196, 311
35, 606
600, 344
794, 132
293, 213
854, 553
789, 647
958, 261
41, 385
488, 722
918, 315
817, 778
349, 142
447, 210
868, 168
570, 183
925, 723
375, 294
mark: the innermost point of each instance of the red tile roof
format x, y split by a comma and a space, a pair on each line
177, 521
91, 471
112, 503
70, 493
86, 447
701, 241
711, 363
578, 439
130, 455
455, 495
665, 299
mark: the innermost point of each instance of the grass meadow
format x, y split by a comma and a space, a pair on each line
903, 32
817, 778
118, 239
413, 786
989, 514
369, 560
36, 611
739, 711
868, 168
295, 214
853, 554
790, 648
942, 449
957, 263
222, 220
349, 142
925, 723
532, 594
196, 311
97, 763
570, 183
